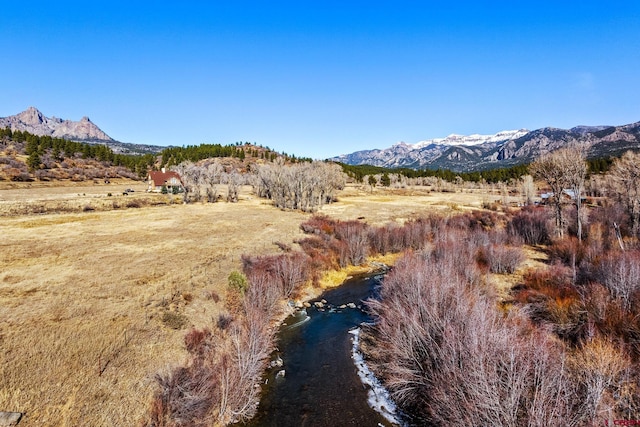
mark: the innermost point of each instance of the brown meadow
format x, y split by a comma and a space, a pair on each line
93, 303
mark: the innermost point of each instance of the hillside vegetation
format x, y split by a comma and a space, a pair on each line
27, 157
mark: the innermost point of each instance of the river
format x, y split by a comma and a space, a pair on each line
321, 385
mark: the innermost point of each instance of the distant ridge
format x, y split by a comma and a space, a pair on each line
507, 148
33, 121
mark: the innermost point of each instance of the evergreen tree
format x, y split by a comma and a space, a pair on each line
385, 180
33, 161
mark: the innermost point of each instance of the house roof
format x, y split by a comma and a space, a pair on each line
566, 191
161, 178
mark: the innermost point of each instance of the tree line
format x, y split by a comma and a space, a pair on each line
172, 156
303, 186
358, 172
300, 186
36, 147
491, 176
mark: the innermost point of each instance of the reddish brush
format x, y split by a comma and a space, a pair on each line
532, 224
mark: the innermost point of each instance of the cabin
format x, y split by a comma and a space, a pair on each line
567, 195
164, 179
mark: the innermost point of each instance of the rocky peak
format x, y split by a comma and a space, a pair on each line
33, 121
507, 148
31, 116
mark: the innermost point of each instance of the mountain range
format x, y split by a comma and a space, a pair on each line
507, 148
33, 121
458, 153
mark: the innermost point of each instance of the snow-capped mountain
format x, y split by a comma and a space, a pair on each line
503, 149
475, 139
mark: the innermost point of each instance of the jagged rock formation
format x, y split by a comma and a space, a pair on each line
507, 148
33, 121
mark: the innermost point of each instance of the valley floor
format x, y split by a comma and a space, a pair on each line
94, 303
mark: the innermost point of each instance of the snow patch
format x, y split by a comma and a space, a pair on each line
378, 397
475, 139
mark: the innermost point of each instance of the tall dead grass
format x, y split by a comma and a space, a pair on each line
83, 297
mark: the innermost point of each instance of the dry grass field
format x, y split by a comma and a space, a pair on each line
93, 303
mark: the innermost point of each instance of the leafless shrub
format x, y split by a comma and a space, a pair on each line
568, 250
219, 384
354, 235
291, 271
197, 341
620, 273
453, 247
419, 231
484, 220
532, 225
275, 276
321, 253
263, 293
453, 359
379, 238
551, 300
335, 242
320, 225
609, 214
601, 369
504, 259
184, 399
242, 367
224, 321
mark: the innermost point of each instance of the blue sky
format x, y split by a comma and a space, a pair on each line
323, 78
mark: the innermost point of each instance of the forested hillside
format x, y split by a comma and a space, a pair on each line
25, 157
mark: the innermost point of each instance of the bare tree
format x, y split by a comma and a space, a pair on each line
190, 179
625, 183
576, 171
304, 186
528, 189
212, 175
563, 169
233, 181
